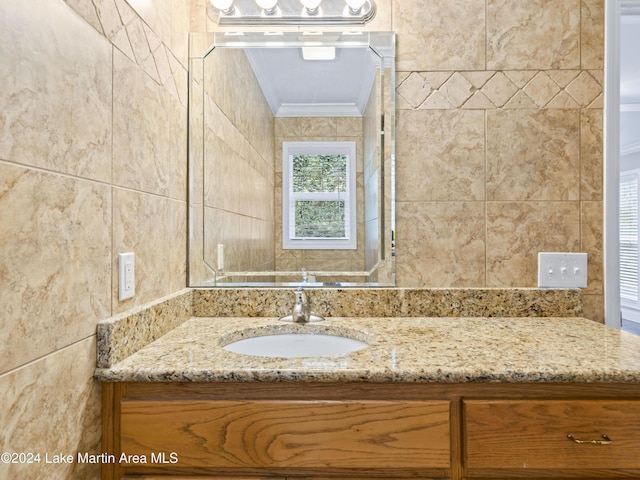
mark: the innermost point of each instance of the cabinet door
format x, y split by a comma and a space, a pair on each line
290, 434
535, 434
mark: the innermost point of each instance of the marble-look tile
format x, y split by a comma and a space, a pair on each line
441, 155
592, 34
441, 244
412, 89
542, 89
591, 154
181, 79
519, 34
177, 165
516, 232
440, 34
136, 220
499, 89
533, 155
180, 14
594, 307
247, 241
198, 271
55, 90
487, 90
54, 261
87, 10
177, 227
233, 184
318, 127
584, 89
287, 127
592, 242
141, 131
157, 15
231, 85
238, 182
349, 126
52, 406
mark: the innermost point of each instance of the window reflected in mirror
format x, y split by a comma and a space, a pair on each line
291, 160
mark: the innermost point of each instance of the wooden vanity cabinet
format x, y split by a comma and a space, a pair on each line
357, 431
533, 434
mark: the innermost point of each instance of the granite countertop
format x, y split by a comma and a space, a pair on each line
479, 349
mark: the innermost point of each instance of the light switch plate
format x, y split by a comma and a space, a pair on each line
562, 270
126, 275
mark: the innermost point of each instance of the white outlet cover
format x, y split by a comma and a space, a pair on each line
562, 270
126, 275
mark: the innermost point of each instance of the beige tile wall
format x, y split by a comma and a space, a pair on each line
238, 174
496, 99
499, 140
93, 98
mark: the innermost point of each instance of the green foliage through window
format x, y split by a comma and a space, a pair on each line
318, 219
319, 173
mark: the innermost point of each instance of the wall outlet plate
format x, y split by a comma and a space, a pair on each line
126, 275
562, 270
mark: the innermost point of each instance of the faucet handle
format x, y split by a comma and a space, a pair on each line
301, 295
301, 311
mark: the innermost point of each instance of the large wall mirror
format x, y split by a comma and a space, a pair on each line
291, 159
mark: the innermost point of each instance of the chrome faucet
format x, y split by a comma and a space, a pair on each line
301, 310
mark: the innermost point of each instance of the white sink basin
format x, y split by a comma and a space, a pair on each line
295, 345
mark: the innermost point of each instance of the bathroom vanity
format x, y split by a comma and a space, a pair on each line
428, 398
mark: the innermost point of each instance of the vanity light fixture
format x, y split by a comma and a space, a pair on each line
311, 7
270, 7
355, 6
224, 6
291, 12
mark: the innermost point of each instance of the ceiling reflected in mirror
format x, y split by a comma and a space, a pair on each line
329, 81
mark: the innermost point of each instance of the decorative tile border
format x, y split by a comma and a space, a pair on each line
500, 89
119, 23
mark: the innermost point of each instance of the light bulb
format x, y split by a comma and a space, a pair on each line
311, 6
223, 5
355, 5
267, 5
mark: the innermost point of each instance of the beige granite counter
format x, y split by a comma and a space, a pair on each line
125, 334
415, 349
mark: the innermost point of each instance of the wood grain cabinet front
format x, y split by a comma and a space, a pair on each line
276, 435
551, 434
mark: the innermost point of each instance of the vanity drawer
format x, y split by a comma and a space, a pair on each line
290, 434
534, 434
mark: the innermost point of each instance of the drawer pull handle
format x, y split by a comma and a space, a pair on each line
606, 440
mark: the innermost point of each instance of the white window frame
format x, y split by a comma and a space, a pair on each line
629, 242
289, 241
